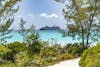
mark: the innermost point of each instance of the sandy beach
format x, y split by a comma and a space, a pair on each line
68, 63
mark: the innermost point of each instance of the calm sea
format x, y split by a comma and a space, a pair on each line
45, 35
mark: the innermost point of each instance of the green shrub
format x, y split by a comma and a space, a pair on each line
8, 64
91, 57
3, 50
17, 47
39, 61
64, 56
21, 58
74, 49
36, 48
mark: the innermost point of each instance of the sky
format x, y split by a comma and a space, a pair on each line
40, 13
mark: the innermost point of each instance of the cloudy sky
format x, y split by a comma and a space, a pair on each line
40, 13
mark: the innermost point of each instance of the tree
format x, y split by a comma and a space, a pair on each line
32, 40
7, 11
23, 31
80, 16
33, 36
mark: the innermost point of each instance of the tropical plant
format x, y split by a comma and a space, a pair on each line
91, 57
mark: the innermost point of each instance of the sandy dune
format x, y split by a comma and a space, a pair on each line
67, 63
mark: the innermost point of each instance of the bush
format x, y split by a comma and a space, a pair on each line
8, 64
91, 57
3, 50
74, 49
64, 56
21, 58
17, 47
39, 61
36, 48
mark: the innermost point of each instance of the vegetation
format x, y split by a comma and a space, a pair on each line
80, 20
7, 12
80, 16
39, 53
22, 30
91, 57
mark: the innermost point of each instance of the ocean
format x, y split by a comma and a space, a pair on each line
45, 35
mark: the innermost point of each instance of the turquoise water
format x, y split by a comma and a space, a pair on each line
45, 35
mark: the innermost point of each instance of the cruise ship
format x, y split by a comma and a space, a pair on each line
50, 28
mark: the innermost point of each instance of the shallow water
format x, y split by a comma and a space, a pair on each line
45, 35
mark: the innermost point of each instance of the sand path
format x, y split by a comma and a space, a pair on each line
68, 63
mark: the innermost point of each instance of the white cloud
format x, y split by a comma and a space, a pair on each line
53, 15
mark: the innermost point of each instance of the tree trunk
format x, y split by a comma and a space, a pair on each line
90, 25
88, 34
82, 36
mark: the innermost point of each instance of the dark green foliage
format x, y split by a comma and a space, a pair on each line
17, 47
91, 57
36, 47
4, 50
74, 49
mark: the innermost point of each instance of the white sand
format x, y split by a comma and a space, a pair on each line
68, 63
